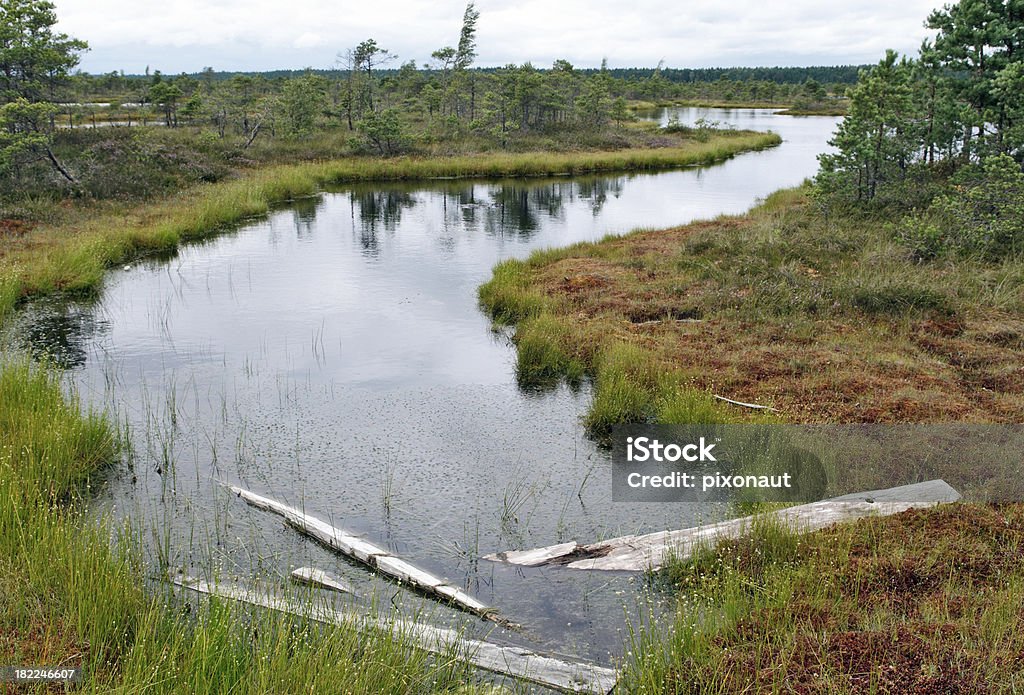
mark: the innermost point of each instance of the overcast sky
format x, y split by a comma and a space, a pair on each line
187, 35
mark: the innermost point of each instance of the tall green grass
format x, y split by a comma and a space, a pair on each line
71, 596
545, 352
508, 295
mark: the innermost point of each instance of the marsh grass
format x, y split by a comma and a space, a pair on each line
542, 352
73, 592
823, 317
924, 601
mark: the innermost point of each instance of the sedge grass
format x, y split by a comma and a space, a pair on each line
71, 597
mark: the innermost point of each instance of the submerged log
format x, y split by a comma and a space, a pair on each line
649, 551
372, 555
515, 662
315, 577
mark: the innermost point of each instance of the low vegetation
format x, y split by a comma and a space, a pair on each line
922, 602
826, 318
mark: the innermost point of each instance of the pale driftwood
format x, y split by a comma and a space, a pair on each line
649, 551
536, 557
373, 555
516, 662
755, 406
656, 321
315, 577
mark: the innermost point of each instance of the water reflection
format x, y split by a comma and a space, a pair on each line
597, 190
60, 332
304, 213
515, 209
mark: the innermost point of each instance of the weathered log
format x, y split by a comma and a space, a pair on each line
372, 555
315, 577
755, 406
649, 551
515, 662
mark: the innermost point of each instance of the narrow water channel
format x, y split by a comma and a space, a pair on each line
333, 355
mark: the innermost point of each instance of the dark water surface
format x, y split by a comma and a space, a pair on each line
333, 355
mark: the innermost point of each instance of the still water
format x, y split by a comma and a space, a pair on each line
333, 355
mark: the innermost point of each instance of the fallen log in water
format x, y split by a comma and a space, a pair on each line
649, 551
372, 555
516, 662
315, 577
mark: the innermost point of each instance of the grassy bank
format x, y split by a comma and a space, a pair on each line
72, 256
922, 602
69, 597
827, 319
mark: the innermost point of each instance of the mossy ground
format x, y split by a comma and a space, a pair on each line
925, 602
825, 319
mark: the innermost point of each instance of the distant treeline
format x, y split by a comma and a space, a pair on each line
831, 74
834, 74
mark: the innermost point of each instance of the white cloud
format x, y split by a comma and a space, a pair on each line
310, 39
266, 34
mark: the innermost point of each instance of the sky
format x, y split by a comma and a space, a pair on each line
249, 35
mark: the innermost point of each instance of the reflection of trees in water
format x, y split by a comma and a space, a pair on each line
304, 213
59, 331
460, 205
512, 208
516, 208
597, 190
378, 209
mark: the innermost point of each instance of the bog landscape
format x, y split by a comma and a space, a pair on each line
316, 380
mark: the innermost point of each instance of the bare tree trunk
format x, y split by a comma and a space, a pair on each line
60, 167
252, 136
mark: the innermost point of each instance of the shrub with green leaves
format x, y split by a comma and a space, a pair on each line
385, 131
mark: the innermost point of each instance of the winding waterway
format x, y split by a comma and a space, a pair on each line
333, 355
